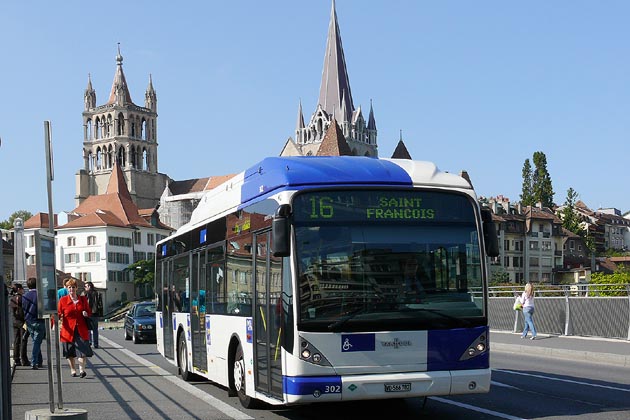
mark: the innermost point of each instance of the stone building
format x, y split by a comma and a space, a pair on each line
121, 132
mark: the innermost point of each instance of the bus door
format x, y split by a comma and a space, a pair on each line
167, 308
267, 332
197, 310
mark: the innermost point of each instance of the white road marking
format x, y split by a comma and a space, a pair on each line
569, 381
478, 409
227, 409
500, 384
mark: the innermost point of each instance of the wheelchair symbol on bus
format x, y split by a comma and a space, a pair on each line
346, 345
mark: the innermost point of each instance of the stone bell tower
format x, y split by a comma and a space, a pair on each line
120, 132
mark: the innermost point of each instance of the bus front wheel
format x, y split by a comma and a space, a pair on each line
239, 379
182, 358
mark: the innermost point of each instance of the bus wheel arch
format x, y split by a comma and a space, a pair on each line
234, 344
182, 356
238, 375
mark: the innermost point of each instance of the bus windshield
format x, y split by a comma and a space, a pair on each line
387, 259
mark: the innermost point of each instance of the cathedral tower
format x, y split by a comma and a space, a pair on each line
335, 104
120, 132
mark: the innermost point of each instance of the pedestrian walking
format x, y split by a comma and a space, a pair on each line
92, 297
63, 291
72, 310
20, 337
527, 299
35, 325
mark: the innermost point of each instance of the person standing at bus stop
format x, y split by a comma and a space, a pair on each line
35, 325
527, 299
19, 338
92, 298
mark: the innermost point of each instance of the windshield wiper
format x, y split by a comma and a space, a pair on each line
341, 321
441, 314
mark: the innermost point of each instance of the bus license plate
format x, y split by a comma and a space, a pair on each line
398, 387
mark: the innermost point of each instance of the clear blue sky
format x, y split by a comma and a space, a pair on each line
479, 86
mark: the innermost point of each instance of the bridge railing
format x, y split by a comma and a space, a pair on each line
592, 310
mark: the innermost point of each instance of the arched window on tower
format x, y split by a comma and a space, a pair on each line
133, 127
99, 159
97, 133
110, 156
121, 157
90, 162
144, 129
88, 130
120, 129
145, 160
133, 157
108, 127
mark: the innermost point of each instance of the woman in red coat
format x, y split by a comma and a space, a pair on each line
74, 334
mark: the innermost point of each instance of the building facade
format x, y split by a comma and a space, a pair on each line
100, 238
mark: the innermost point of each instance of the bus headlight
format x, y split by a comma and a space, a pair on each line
310, 354
477, 347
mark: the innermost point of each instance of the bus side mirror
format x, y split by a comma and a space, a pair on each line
280, 231
490, 237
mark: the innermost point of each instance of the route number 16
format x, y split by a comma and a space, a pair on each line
322, 208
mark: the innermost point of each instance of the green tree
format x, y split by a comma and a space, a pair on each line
570, 217
143, 271
22, 214
541, 181
527, 197
611, 284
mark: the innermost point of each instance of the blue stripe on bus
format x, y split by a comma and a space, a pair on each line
309, 385
446, 347
274, 173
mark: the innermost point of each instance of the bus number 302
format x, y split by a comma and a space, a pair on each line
332, 389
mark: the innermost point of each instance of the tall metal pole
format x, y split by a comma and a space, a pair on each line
51, 228
5, 369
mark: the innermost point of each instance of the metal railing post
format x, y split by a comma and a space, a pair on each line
567, 308
515, 293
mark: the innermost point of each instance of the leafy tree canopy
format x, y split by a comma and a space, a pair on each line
527, 197
570, 217
143, 271
22, 214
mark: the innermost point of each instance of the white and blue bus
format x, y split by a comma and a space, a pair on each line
290, 285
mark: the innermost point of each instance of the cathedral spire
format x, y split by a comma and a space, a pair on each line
335, 83
119, 94
150, 97
300, 118
90, 95
372, 122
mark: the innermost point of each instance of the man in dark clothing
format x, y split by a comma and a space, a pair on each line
20, 337
92, 297
35, 325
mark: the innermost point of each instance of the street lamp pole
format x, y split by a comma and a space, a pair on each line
5, 369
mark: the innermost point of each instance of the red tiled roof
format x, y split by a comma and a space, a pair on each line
39, 221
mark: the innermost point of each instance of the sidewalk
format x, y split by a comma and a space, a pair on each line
120, 385
599, 350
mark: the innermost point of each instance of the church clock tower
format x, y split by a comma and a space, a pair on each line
124, 133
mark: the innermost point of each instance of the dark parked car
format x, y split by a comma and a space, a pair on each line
140, 322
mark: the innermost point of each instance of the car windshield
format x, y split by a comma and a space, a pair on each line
145, 310
395, 259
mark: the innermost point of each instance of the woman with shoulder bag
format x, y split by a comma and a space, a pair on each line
527, 298
74, 334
